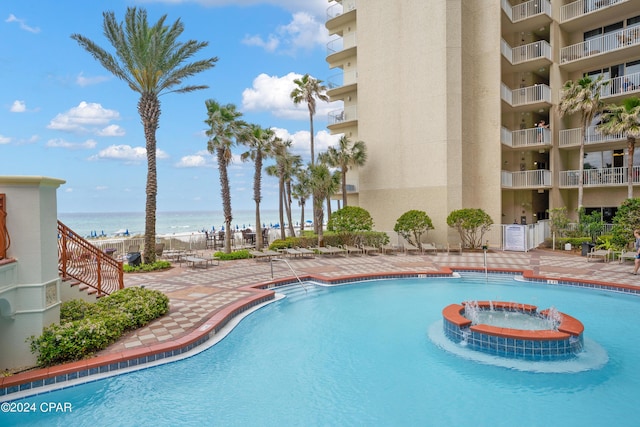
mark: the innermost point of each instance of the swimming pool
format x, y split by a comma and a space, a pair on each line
367, 354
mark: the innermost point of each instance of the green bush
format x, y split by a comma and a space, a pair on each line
241, 254
626, 220
158, 265
412, 224
471, 224
350, 219
89, 327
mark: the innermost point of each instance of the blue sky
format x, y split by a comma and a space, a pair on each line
64, 116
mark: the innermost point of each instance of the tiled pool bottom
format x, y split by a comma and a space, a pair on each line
534, 345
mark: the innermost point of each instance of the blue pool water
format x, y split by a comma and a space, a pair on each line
370, 354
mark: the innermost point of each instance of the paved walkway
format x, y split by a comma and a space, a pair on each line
197, 293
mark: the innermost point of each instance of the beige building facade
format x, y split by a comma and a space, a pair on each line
448, 95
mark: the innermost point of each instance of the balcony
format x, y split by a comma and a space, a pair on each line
341, 83
339, 13
526, 96
527, 52
621, 86
527, 138
584, 7
532, 179
602, 177
616, 44
340, 48
338, 119
570, 138
526, 10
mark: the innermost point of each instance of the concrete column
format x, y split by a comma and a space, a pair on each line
29, 280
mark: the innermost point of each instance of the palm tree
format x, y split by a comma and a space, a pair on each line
224, 129
152, 62
280, 153
292, 163
624, 119
583, 97
324, 158
302, 191
260, 144
345, 156
322, 181
307, 90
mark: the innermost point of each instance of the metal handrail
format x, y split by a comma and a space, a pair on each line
80, 260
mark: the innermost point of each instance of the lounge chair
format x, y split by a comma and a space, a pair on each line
409, 248
292, 252
599, 253
454, 247
305, 252
429, 247
336, 251
266, 253
329, 250
352, 249
390, 249
159, 249
625, 255
369, 250
196, 261
133, 248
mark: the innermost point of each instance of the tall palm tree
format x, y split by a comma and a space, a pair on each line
302, 191
322, 181
307, 90
280, 153
345, 156
260, 144
291, 165
624, 119
152, 62
224, 128
583, 97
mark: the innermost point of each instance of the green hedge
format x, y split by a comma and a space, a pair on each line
89, 327
241, 254
369, 238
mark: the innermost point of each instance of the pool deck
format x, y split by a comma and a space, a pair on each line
199, 296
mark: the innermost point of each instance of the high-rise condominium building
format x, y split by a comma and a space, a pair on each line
449, 95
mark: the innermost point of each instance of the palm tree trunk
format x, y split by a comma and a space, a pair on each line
344, 187
328, 208
317, 219
281, 206
149, 110
311, 136
631, 141
288, 206
302, 203
257, 197
226, 198
581, 169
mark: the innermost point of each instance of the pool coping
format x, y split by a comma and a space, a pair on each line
260, 293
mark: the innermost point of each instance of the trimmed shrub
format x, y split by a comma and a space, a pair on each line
412, 224
471, 224
241, 254
86, 328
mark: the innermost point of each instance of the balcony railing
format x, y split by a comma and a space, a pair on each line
338, 9
573, 137
534, 137
584, 7
527, 52
342, 79
526, 10
339, 44
602, 177
526, 95
526, 179
609, 42
343, 115
616, 86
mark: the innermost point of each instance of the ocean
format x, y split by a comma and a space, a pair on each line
167, 223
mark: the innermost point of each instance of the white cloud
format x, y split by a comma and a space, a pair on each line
81, 80
195, 161
101, 188
18, 107
271, 93
126, 153
22, 23
304, 32
301, 144
111, 130
86, 117
61, 143
4, 139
